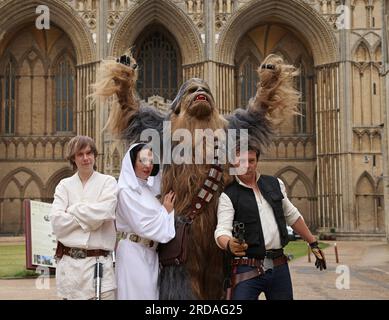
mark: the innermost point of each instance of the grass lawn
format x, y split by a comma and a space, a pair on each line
13, 261
299, 248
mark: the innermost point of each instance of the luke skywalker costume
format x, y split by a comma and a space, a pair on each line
83, 221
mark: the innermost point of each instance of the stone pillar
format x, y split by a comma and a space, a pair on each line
215, 72
86, 113
330, 185
385, 143
209, 58
346, 124
334, 140
101, 49
195, 70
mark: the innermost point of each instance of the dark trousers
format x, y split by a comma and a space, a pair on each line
275, 283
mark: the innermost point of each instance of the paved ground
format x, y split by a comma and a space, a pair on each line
363, 268
367, 262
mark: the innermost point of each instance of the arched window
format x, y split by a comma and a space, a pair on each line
8, 120
159, 65
64, 95
248, 79
301, 119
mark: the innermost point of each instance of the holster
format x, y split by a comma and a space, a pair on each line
236, 278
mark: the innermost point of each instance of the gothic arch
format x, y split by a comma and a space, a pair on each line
365, 203
248, 48
296, 15
301, 176
365, 175
305, 201
8, 56
361, 44
55, 179
376, 45
39, 57
165, 13
61, 14
11, 176
377, 52
64, 52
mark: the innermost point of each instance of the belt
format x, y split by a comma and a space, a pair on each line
239, 277
78, 253
254, 262
280, 261
274, 253
135, 238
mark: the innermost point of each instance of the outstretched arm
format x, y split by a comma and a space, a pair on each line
275, 96
127, 119
117, 80
274, 102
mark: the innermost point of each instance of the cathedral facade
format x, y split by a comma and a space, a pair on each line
333, 157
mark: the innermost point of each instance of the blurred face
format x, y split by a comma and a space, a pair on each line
247, 164
85, 160
144, 164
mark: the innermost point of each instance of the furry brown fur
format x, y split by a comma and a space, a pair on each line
275, 92
204, 263
194, 108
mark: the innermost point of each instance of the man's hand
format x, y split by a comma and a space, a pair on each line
320, 259
236, 248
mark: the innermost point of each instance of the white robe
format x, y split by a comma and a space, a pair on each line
83, 217
139, 211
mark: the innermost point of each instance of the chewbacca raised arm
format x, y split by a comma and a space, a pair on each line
275, 94
275, 101
127, 119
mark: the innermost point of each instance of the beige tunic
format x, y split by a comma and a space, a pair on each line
83, 217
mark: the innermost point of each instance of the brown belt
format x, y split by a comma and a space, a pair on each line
254, 262
77, 253
239, 277
280, 261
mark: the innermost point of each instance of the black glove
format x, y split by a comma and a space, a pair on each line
235, 248
320, 259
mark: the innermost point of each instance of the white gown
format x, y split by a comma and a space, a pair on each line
139, 211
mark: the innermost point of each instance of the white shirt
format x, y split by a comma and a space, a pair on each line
226, 212
140, 212
83, 217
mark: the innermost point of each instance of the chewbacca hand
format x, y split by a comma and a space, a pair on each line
320, 259
236, 248
127, 61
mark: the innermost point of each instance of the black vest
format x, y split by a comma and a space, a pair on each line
246, 211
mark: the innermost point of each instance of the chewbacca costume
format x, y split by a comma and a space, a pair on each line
201, 277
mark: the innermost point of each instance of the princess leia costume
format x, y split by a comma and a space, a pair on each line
143, 222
